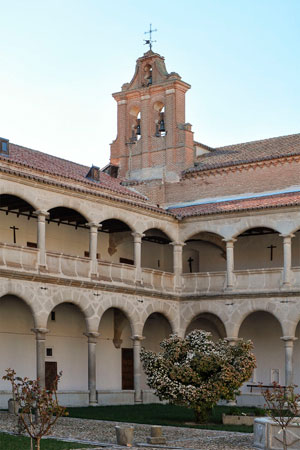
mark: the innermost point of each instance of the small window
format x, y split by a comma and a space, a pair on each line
4, 146
53, 315
126, 261
32, 244
49, 351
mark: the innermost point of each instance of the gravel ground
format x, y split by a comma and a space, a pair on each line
102, 433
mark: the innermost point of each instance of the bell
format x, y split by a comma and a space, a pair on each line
162, 126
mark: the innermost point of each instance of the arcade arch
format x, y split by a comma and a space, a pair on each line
208, 322
17, 340
115, 242
156, 251
204, 252
265, 331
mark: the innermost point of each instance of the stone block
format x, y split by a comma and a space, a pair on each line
156, 436
124, 435
268, 434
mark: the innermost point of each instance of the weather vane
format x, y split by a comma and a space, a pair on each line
149, 41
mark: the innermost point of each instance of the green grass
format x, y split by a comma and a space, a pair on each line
157, 414
8, 442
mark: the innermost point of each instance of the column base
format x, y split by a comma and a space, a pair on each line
93, 403
137, 402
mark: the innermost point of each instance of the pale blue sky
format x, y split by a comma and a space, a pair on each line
60, 60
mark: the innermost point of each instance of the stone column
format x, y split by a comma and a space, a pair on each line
40, 337
288, 346
92, 341
177, 263
41, 235
230, 263
93, 246
137, 367
287, 259
137, 239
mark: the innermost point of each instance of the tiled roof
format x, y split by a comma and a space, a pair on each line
59, 167
248, 152
271, 201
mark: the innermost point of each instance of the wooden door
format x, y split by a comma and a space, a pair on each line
50, 374
127, 369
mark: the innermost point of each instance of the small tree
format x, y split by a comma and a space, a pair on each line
39, 408
282, 406
197, 372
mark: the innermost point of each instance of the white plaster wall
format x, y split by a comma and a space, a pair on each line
109, 358
251, 252
152, 253
265, 332
66, 239
70, 349
17, 341
113, 246
27, 231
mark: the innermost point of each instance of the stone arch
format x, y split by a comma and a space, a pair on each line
123, 305
122, 216
73, 203
205, 242
211, 316
215, 325
19, 192
188, 233
191, 311
166, 311
258, 223
29, 301
78, 299
159, 225
262, 308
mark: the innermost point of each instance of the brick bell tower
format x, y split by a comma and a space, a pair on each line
153, 140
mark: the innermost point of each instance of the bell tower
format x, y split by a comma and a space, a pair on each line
153, 140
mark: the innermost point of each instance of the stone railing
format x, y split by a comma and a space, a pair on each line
15, 257
158, 280
18, 258
203, 282
257, 279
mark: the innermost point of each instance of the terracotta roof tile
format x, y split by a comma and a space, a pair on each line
53, 165
272, 201
248, 152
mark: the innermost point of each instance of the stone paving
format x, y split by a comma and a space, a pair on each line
102, 434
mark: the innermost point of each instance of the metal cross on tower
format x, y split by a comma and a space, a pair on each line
149, 41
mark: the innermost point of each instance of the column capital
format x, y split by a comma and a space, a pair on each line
287, 236
229, 240
289, 339
92, 336
137, 337
94, 225
42, 213
177, 244
137, 236
40, 333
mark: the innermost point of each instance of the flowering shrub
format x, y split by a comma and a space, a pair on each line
197, 372
38, 407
